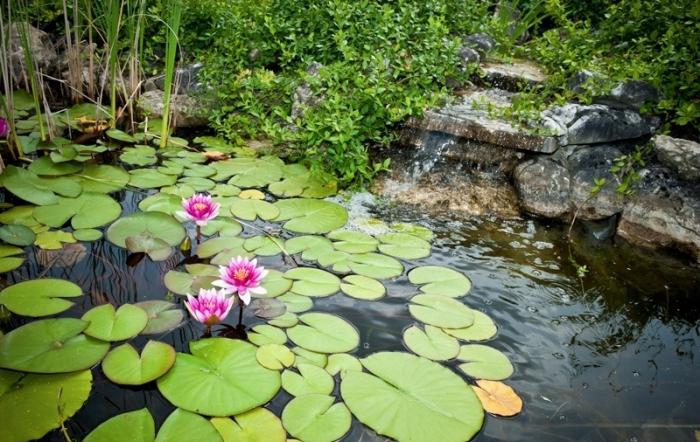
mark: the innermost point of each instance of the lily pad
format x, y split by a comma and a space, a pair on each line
222, 226
157, 249
275, 356
197, 183
150, 179
264, 245
89, 210
304, 356
8, 264
403, 246
249, 209
250, 172
139, 155
441, 311
436, 280
134, 426
353, 242
258, 425
161, 202
53, 240
312, 282
375, 265
266, 334
17, 235
275, 283
341, 363
413, 229
156, 224
303, 215
324, 333
39, 297
229, 245
44, 166
296, 303
227, 370
498, 398
199, 170
362, 287
251, 194
21, 215
484, 362
304, 185
316, 418
163, 316
87, 234
287, 320
102, 178
51, 346
420, 400
310, 379
38, 190
120, 135
183, 426
482, 329
182, 283
268, 308
432, 343
32, 405
124, 366
109, 324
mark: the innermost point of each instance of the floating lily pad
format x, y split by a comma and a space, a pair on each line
482, 329
316, 418
21, 215
432, 343
498, 398
44, 166
109, 324
225, 190
102, 178
441, 311
89, 210
38, 190
181, 190
436, 280
313, 246
251, 194
248, 209
150, 179
353, 242
303, 215
161, 202
163, 316
123, 365
275, 356
225, 368
287, 320
134, 426
304, 356
183, 426
268, 308
229, 245
250, 172
264, 245
266, 334
197, 183
296, 303
17, 235
51, 346
199, 170
312, 282
8, 264
341, 363
182, 283
258, 425
87, 234
222, 226
304, 185
420, 400
53, 240
120, 135
275, 283
484, 362
413, 229
32, 405
156, 248
310, 379
324, 333
40, 297
375, 265
362, 287
156, 224
403, 246
139, 155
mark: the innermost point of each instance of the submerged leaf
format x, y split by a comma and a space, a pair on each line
498, 398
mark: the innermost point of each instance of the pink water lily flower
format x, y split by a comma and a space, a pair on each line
210, 307
4, 127
243, 277
199, 208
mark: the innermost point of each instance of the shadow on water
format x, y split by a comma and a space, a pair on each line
611, 357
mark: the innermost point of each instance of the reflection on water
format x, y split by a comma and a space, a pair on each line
611, 357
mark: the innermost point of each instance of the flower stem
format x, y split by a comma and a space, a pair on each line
199, 234
240, 312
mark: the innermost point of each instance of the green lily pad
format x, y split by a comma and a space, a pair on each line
303, 215
163, 316
222, 226
139, 155
436, 280
258, 425
134, 426
324, 333
227, 370
304, 356
310, 379
264, 245
54, 239
228, 245
120, 135
87, 234
51, 346
184, 426
249, 209
38, 190
266, 334
22, 100
224, 190
421, 400
375, 265
287, 320
17, 235
155, 224
304, 185
342, 363
124, 366
150, 179
403, 246
182, 283
102, 178
316, 418
21, 215
181, 190
312, 246
44, 166
432, 343
40, 297
362, 287
249, 172
32, 405
482, 329
89, 210
441, 311
484, 362
413, 229
10, 263
197, 183
156, 248
296, 303
312, 282
161, 202
268, 308
275, 356
199, 170
109, 324
275, 283
353, 242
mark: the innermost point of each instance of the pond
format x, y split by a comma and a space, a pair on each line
606, 356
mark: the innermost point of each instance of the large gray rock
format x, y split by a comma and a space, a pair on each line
587, 164
634, 93
597, 123
682, 156
663, 213
513, 76
481, 42
543, 187
43, 52
187, 111
186, 79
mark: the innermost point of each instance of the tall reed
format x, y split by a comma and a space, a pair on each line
172, 28
6, 101
111, 21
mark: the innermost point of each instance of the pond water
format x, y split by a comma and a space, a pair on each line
608, 357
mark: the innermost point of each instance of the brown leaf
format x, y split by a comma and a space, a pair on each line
215, 155
498, 398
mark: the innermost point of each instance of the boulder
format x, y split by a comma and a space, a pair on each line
633, 94
587, 164
187, 111
543, 187
514, 76
468, 56
681, 156
583, 78
663, 213
186, 79
43, 52
481, 42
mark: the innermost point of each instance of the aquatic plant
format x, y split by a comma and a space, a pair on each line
210, 306
171, 40
4, 128
242, 277
201, 209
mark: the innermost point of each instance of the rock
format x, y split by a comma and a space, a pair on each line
187, 111
468, 56
587, 164
583, 78
513, 76
43, 52
635, 93
481, 42
597, 123
304, 96
476, 118
663, 213
543, 187
681, 156
186, 79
